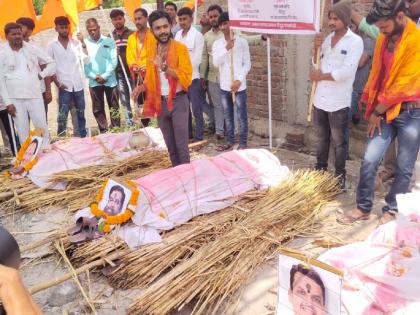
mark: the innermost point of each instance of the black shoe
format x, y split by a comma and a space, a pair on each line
341, 182
242, 147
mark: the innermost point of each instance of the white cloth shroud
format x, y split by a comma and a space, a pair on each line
171, 197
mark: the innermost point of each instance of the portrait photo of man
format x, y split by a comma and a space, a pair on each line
115, 201
307, 291
31, 151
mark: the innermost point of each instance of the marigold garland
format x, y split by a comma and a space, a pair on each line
19, 157
120, 218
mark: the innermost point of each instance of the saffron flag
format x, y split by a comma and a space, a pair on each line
130, 6
191, 3
10, 11
54, 8
85, 5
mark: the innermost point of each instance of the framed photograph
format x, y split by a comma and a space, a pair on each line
307, 289
32, 150
115, 198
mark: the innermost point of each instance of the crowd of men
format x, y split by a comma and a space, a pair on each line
176, 71
384, 80
115, 67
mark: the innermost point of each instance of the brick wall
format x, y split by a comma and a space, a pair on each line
280, 57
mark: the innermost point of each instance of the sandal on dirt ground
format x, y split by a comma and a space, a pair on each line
224, 147
387, 217
349, 218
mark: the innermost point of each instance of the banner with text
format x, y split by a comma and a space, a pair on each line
275, 16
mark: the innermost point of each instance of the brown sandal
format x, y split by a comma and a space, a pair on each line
224, 147
388, 216
349, 219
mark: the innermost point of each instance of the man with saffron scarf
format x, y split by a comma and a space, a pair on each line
392, 95
168, 77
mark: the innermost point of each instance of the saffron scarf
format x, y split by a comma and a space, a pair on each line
402, 79
177, 59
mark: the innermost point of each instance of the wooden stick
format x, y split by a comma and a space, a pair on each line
317, 64
8, 194
311, 261
197, 144
53, 282
60, 249
232, 69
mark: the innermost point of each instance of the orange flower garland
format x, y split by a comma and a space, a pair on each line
119, 218
19, 157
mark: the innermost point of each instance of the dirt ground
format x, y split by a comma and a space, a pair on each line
258, 297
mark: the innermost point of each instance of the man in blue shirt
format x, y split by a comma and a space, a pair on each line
100, 65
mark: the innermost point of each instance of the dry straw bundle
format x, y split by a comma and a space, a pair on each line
210, 277
83, 184
141, 267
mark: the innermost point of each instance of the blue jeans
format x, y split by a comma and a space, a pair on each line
64, 99
195, 95
125, 98
406, 128
228, 110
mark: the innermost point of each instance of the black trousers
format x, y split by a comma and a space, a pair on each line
9, 129
331, 126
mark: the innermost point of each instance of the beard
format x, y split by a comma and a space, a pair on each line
398, 29
164, 41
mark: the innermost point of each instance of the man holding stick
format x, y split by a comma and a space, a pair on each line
392, 95
340, 55
231, 56
136, 55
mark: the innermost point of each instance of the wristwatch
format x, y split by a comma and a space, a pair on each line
164, 67
83, 46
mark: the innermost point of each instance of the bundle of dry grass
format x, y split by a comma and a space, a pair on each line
154, 259
211, 276
83, 184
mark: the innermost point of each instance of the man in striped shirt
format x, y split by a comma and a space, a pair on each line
120, 35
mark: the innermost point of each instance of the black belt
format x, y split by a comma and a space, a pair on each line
180, 93
410, 105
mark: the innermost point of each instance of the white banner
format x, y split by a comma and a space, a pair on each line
275, 16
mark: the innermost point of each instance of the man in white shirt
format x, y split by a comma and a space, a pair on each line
28, 26
232, 80
67, 53
194, 40
20, 82
340, 55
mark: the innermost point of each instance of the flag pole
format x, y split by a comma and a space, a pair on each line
270, 123
317, 65
13, 133
195, 12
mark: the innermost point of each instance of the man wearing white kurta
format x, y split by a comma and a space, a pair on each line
20, 82
194, 40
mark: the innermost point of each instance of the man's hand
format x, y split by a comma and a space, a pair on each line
235, 86
47, 96
81, 38
137, 91
315, 75
203, 84
230, 43
158, 62
374, 122
318, 41
62, 87
100, 80
11, 109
